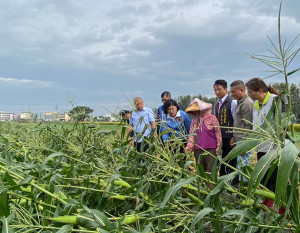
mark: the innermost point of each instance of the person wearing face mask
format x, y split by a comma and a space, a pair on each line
205, 134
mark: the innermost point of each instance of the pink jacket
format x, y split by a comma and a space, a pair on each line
211, 122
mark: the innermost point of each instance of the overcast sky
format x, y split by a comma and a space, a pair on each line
101, 54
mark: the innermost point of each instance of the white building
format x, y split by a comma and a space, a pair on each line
55, 116
28, 116
5, 116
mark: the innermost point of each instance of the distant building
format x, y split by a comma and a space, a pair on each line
28, 116
55, 116
16, 117
5, 116
111, 117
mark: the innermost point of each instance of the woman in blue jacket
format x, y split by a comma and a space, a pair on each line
175, 124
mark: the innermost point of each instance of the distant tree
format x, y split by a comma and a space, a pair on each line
295, 96
184, 100
79, 113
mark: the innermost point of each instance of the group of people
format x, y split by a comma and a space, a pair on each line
210, 129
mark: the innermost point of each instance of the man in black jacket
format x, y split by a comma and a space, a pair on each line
225, 108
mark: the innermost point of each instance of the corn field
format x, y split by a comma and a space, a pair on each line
84, 179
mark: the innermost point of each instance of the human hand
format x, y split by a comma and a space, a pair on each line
132, 142
232, 142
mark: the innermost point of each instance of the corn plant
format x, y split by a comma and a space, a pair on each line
279, 60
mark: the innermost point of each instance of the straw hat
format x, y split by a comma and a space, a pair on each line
198, 105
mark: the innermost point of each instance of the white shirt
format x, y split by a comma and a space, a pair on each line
177, 115
232, 107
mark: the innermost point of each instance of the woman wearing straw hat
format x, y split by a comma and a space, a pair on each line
205, 133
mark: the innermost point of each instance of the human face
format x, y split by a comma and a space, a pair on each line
172, 110
237, 93
139, 104
253, 94
128, 114
220, 91
165, 98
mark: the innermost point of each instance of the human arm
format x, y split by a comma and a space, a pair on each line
217, 130
191, 140
129, 130
152, 121
233, 108
153, 126
247, 111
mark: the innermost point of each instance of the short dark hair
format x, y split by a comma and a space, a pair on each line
169, 103
166, 93
238, 83
221, 82
124, 112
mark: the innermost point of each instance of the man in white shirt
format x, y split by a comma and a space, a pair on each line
225, 109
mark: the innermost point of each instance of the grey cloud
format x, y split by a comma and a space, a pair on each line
122, 10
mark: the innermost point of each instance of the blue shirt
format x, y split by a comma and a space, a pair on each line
160, 111
142, 119
179, 125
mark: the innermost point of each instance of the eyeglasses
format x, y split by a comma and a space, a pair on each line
164, 100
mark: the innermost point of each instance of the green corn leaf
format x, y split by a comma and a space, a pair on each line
123, 132
86, 219
4, 142
202, 213
295, 189
292, 72
27, 180
50, 157
5, 226
174, 189
251, 229
244, 146
220, 184
99, 217
286, 162
247, 214
260, 169
4, 207
65, 229
10, 180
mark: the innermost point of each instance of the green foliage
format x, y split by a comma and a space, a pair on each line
89, 179
184, 100
297, 127
80, 113
295, 96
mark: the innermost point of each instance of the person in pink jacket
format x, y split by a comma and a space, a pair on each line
205, 134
